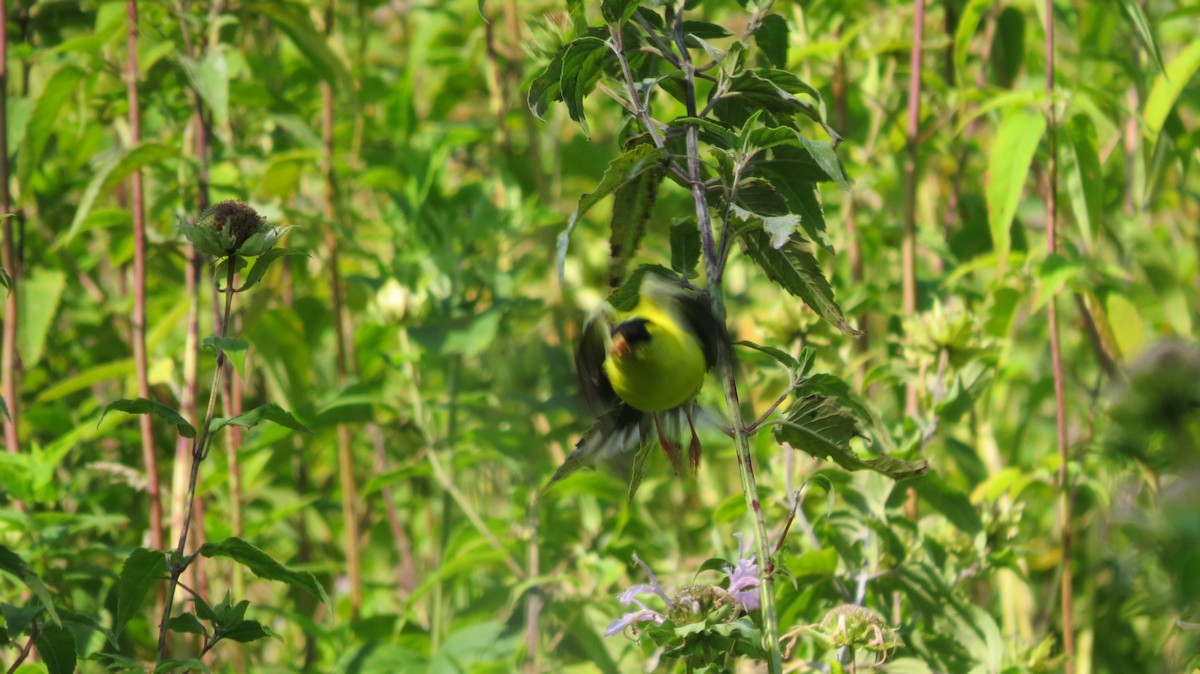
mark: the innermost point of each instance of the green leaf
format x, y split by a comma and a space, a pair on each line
268, 412
12, 563
618, 11
263, 565
546, 86
582, 66
1082, 177
1132, 10
143, 570
86, 379
233, 348
818, 425
1008, 166
1168, 86
56, 647
187, 623
295, 22
175, 665
39, 297
145, 406
772, 38
210, 77
112, 173
633, 203
1008, 46
18, 619
634, 162
264, 262
968, 23
783, 357
685, 247
57, 92
952, 504
827, 159
247, 631
797, 271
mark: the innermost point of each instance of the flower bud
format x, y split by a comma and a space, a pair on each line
231, 228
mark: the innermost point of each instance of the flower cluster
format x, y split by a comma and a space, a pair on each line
231, 228
692, 603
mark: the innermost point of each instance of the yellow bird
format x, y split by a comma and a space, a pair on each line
644, 368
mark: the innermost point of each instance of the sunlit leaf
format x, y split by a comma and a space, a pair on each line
145, 406
796, 270
1008, 166
143, 569
12, 563
263, 565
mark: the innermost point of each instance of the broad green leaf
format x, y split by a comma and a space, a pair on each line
85, 379
264, 262
247, 631
146, 406
143, 570
112, 173
1082, 177
56, 93
1132, 10
582, 66
1168, 86
56, 648
18, 619
176, 665
797, 271
968, 24
633, 203
186, 622
952, 504
295, 22
210, 77
546, 86
827, 159
268, 412
1008, 166
784, 358
233, 348
817, 425
38, 305
618, 11
772, 38
685, 247
630, 165
12, 563
263, 565
772, 91
1008, 46
1126, 323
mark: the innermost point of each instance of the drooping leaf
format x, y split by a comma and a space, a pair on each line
784, 358
296, 24
582, 66
827, 159
685, 246
633, 203
38, 305
796, 270
1008, 165
631, 164
112, 173
968, 23
268, 412
772, 38
146, 406
1008, 46
56, 647
818, 425
143, 569
263, 565
1133, 13
264, 262
210, 77
247, 631
772, 91
186, 623
546, 87
12, 563
1168, 86
87, 378
1082, 177
56, 93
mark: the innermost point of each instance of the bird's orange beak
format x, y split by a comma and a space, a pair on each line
620, 347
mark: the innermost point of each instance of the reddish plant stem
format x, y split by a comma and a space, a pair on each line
8, 257
908, 246
345, 456
137, 205
1060, 394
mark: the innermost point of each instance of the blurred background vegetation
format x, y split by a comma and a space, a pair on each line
428, 323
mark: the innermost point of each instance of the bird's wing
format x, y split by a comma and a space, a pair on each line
697, 313
619, 431
590, 354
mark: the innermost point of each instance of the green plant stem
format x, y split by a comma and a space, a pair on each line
8, 352
33, 632
713, 266
177, 564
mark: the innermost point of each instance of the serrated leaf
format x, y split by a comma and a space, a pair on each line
1008, 166
56, 647
618, 11
819, 426
187, 623
772, 38
1082, 177
796, 271
268, 412
633, 203
233, 348
827, 159
783, 357
685, 247
145, 406
629, 165
210, 77
12, 563
112, 173
299, 28
582, 66
55, 94
263, 565
143, 569
546, 86
1132, 10
1168, 86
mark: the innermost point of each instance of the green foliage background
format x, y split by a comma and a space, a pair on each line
461, 401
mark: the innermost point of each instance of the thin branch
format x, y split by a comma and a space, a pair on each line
9, 358
908, 246
33, 632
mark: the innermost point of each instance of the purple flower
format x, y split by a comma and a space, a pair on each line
632, 618
644, 613
743, 578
